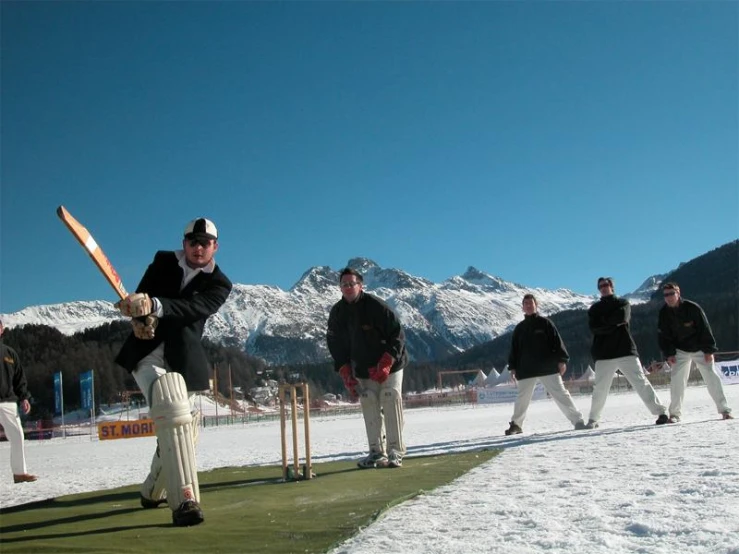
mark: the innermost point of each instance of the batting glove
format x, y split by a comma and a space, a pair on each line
145, 328
135, 305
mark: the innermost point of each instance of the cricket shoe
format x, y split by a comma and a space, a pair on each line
674, 419
513, 429
24, 478
592, 424
395, 460
188, 514
375, 459
727, 415
580, 425
661, 420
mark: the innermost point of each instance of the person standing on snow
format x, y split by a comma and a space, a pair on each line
614, 349
685, 337
367, 344
538, 354
14, 389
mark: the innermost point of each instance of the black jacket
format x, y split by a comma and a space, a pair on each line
361, 332
609, 322
536, 348
181, 326
685, 327
13, 386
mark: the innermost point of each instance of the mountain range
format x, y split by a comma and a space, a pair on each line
286, 327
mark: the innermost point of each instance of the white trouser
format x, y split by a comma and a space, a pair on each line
382, 407
632, 370
149, 369
556, 389
11, 423
679, 380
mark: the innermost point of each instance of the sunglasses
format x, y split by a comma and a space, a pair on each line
205, 243
671, 293
348, 284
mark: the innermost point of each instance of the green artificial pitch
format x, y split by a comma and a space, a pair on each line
247, 509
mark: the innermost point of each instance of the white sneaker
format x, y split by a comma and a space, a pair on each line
395, 460
375, 459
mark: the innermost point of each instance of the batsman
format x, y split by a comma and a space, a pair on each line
178, 292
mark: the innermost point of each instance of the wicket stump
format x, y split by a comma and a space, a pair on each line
292, 390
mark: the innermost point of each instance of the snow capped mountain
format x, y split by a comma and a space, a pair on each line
69, 318
645, 290
288, 327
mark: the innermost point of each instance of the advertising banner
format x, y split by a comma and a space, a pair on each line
86, 386
58, 400
111, 430
729, 372
506, 393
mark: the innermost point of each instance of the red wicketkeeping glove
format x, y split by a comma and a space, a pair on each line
349, 381
380, 372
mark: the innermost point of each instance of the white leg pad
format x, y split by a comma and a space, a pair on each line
392, 409
196, 419
154, 486
170, 410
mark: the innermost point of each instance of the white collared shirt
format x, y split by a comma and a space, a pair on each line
188, 274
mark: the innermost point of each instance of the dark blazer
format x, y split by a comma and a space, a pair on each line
361, 332
181, 326
536, 348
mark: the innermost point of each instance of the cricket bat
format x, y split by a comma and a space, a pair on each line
93, 249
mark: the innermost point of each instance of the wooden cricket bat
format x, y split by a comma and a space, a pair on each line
96, 253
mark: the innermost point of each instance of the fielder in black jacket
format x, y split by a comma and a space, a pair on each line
175, 297
614, 349
685, 337
14, 391
367, 343
538, 353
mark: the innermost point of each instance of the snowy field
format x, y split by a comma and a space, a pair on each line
627, 487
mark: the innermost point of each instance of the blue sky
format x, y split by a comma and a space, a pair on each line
546, 143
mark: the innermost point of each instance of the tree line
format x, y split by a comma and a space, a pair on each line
712, 280
45, 351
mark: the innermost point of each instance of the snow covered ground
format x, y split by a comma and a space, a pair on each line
628, 487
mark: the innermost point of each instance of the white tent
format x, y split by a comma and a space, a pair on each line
587, 377
504, 377
479, 380
492, 378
